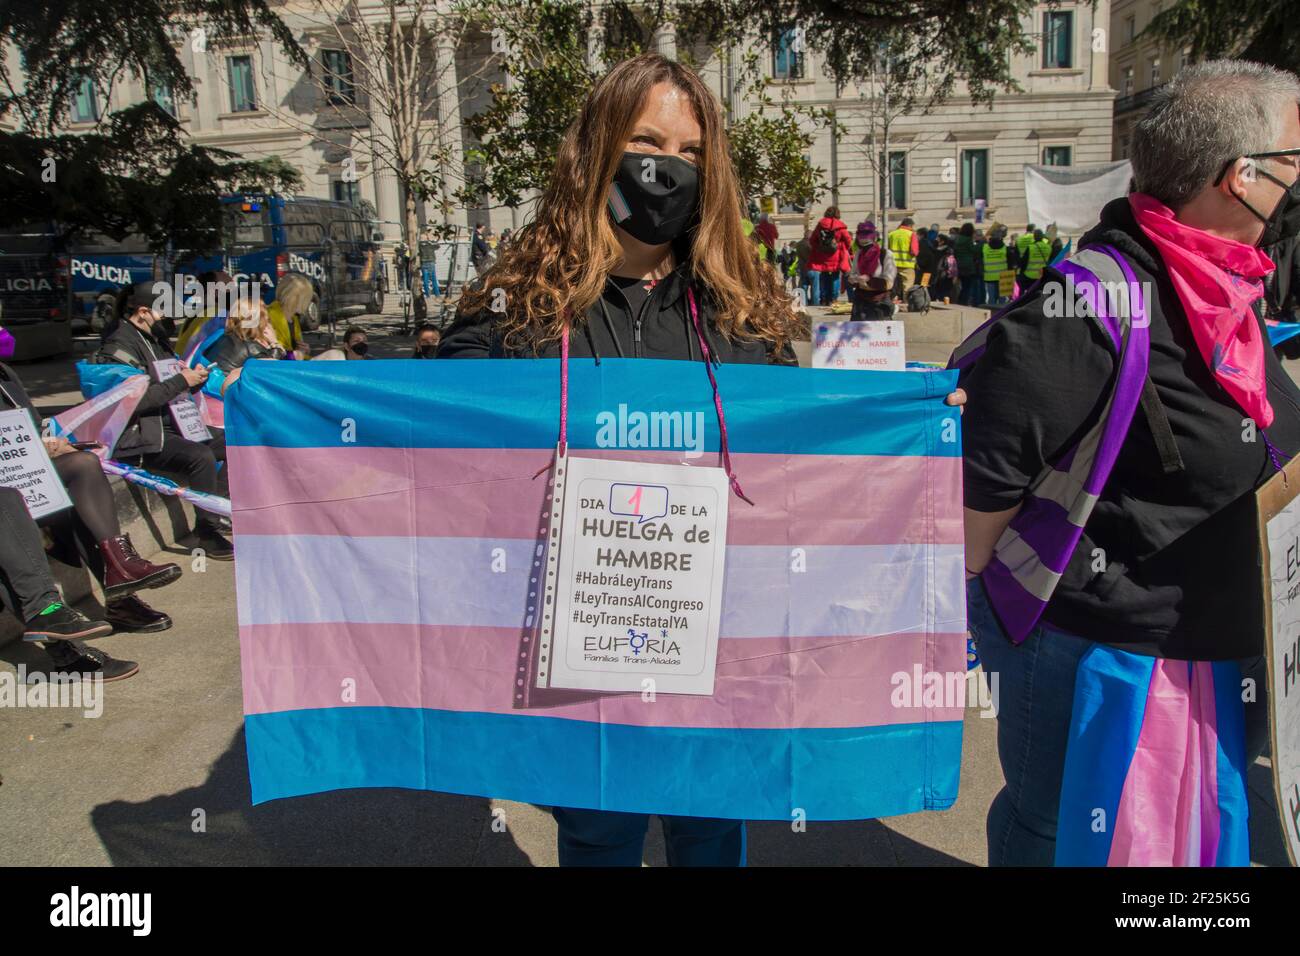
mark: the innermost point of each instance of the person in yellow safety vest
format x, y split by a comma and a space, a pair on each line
1039, 253
996, 261
903, 246
1022, 244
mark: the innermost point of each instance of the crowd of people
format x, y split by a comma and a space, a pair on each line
671, 273
967, 265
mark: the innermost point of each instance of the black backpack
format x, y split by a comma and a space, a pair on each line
827, 241
918, 299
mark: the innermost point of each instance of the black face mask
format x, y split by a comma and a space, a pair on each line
427, 350
361, 348
1275, 224
658, 211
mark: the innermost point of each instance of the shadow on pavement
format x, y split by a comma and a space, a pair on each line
346, 827
848, 843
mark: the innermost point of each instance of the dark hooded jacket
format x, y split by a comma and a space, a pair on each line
661, 329
127, 345
1168, 563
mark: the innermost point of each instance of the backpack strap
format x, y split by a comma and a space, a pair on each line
1037, 545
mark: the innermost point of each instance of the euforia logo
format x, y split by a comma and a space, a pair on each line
315, 269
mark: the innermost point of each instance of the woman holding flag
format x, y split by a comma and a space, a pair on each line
636, 252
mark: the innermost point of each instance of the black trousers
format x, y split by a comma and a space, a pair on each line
24, 572
195, 464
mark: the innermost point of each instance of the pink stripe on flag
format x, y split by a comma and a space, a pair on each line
489, 493
840, 683
1168, 811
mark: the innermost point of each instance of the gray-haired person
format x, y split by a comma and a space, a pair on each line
1164, 564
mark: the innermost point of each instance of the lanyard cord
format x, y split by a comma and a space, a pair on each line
708, 366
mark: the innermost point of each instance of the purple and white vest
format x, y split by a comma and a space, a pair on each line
1033, 552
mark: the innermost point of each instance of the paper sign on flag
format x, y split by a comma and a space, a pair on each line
26, 465
636, 578
185, 410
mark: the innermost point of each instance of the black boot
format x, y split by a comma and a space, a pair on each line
214, 544
132, 614
74, 658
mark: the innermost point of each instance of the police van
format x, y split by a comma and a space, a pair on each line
267, 236
51, 289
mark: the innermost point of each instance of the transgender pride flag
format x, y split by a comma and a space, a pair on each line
388, 519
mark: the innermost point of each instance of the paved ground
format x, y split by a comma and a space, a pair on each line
132, 786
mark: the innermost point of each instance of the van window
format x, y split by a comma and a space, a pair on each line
304, 223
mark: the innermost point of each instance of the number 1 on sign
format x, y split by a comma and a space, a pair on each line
635, 501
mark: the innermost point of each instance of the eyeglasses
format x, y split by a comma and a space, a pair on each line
1272, 154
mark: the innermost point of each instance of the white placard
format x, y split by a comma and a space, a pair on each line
637, 578
26, 465
184, 409
877, 345
1283, 532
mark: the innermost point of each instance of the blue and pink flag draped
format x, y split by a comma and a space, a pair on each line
387, 517
1155, 768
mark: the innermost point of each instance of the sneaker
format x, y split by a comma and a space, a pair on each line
132, 614
73, 658
215, 545
58, 622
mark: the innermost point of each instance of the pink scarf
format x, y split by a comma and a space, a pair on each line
1216, 281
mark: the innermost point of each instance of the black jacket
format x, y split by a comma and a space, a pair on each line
1168, 562
663, 330
1283, 286
13, 395
230, 352
127, 345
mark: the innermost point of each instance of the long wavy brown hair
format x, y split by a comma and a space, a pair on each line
557, 265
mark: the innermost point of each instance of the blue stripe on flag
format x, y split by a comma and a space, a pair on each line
833, 774
1110, 695
405, 404
1231, 767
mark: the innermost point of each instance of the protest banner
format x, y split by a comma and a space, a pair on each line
1071, 197
1278, 508
875, 345
418, 665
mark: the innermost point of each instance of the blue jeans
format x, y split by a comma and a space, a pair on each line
429, 276
991, 293
823, 287
606, 838
1035, 701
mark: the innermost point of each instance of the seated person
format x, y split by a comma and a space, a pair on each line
151, 439
91, 534
427, 338
293, 297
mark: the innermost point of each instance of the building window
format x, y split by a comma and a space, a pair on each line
788, 54
339, 87
85, 101
1056, 155
893, 190
346, 191
243, 98
974, 176
1155, 72
1058, 40
1128, 81
162, 95
1130, 29
1123, 147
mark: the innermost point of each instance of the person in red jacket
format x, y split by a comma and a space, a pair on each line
830, 243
